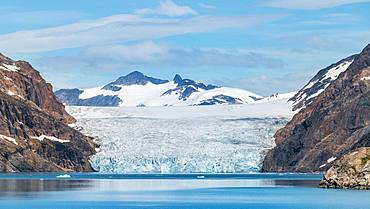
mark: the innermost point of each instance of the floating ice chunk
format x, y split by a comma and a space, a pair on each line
64, 176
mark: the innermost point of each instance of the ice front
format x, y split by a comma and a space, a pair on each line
171, 145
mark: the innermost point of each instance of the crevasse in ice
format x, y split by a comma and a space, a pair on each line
188, 145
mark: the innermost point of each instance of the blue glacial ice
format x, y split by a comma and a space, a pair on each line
186, 145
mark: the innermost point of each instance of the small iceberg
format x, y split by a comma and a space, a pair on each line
64, 176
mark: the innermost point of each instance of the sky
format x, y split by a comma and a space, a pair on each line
264, 46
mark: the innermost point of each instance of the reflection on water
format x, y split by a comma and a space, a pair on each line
30, 188
297, 183
36, 188
270, 191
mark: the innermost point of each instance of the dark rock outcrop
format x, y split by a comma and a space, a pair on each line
186, 87
334, 124
134, 78
352, 171
221, 99
34, 134
71, 98
319, 83
18, 78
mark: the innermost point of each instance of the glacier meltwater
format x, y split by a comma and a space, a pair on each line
177, 139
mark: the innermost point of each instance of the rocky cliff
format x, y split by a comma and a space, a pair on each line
335, 123
319, 83
34, 134
350, 172
20, 79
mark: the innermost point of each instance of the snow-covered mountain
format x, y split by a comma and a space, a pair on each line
137, 89
277, 97
319, 83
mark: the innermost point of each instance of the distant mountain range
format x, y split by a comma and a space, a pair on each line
137, 89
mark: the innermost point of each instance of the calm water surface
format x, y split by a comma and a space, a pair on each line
285, 191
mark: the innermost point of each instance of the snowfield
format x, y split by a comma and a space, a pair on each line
186, 139
319, 83
269, 107
154, 95
137, 90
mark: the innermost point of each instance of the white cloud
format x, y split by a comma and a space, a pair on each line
343, 41
92, 65
143, 53
168, 8
116, 57
310, 4
118, 28
206, 6
161, 54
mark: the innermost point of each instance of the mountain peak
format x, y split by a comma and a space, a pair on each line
135, 74
362, 60
177, 79
366, 49
133, 78
4, 58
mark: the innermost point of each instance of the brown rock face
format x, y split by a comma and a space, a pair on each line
20, 79
352, 171
335, 123
34, 135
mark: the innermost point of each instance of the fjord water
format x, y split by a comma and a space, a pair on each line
99, 191
228, 140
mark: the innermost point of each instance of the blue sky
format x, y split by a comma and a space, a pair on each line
265, 46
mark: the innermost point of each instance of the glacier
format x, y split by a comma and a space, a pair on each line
212, 139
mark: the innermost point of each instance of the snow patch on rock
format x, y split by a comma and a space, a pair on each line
332, 159
51, 138
319, 83
10, 139
11, 68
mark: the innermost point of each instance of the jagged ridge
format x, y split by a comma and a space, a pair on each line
137, 89
335, 123
34, 135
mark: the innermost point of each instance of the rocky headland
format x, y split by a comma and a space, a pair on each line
34, 131
334, 124
352, 171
